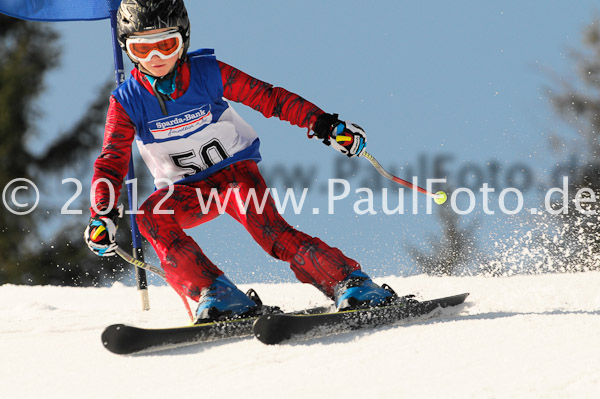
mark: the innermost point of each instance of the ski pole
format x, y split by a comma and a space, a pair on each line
154, 269
439, 197
139, 263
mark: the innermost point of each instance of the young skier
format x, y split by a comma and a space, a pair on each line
175, 105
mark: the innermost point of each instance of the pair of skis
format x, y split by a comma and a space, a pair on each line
277, 327
273, 328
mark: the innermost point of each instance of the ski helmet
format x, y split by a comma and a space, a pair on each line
140, 15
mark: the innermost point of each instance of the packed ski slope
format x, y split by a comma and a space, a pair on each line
517, 337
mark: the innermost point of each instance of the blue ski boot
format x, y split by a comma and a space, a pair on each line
223, 300
359, 291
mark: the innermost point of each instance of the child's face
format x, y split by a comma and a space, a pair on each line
157, 66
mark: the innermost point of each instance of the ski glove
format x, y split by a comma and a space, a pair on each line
101, 231
346, 137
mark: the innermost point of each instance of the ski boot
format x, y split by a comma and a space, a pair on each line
222, 300
358, 291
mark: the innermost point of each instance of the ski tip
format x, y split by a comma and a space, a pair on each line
269, 329
118, 338
455, 300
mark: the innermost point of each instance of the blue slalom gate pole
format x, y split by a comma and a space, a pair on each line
138, 253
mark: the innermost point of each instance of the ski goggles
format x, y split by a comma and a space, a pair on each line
163, 44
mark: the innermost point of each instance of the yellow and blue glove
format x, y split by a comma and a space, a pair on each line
101, 232
346, 137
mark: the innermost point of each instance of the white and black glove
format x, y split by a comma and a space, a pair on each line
346, 137
101, 231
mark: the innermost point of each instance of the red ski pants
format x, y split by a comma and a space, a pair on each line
188, 269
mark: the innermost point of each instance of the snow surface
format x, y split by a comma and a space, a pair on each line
517, 337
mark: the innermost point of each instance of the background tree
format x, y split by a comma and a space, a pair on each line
451, 252
28, 50
578, 104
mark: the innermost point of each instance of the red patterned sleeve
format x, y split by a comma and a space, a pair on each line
267, 99
113, 162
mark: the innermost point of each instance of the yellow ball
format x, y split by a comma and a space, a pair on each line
441, 197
